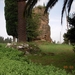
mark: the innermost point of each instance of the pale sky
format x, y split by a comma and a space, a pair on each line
54, 20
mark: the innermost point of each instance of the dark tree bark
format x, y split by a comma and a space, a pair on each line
21, 22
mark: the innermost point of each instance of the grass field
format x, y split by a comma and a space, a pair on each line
59, 55
14, 62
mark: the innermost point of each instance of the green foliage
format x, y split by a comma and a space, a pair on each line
66, 41
13, 62
34, 49
70, 35
32, 26
56, 48
74, 48
1, 39
55, 54
6, 40
11, 13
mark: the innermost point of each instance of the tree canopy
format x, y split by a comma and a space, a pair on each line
31, 28
11, 17
70, 35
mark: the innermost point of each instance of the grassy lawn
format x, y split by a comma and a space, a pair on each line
14, 62
59, 55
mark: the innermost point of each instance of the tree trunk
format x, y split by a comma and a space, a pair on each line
21, 22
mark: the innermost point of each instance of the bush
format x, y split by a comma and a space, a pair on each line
13, 67
34, 49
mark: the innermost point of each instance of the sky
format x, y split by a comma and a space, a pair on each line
57, 30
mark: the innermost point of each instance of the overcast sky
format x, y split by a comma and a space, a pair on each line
54, 20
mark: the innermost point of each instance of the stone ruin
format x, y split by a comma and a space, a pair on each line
24, 47
44, 28
27, 48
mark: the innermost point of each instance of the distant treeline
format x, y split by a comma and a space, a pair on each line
6, 40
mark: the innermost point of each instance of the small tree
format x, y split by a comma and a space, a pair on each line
32, 26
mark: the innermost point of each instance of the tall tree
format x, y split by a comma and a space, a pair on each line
70, 35
16, 10
11, 17
15, 21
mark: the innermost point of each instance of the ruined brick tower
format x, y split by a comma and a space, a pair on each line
44, 28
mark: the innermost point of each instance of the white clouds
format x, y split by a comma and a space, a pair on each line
54, 20
56, 27
1, 5
73, 7
2, 25
41, 2
2, 20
